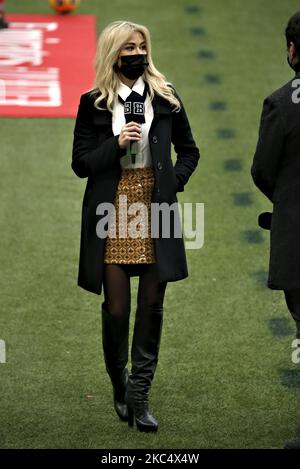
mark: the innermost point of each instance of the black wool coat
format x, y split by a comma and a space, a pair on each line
276, 172
96, 156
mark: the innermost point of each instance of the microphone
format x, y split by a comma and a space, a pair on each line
134, 110
265, 220
132, 151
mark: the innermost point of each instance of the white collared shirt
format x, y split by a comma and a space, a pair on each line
143, 155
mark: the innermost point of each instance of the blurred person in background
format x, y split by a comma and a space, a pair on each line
3, 23
276, 172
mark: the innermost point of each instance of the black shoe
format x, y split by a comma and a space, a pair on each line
144, 358
115, 331
293, 444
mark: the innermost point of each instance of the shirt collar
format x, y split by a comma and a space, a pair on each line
124, 90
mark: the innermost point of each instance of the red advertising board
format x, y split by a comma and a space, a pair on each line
46, 63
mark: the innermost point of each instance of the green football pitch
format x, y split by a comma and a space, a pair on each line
225, 377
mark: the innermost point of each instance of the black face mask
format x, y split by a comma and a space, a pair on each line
133, 66
295, 67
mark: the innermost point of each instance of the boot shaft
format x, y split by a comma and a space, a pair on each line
144, 352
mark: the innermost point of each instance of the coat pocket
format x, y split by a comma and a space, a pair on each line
174, 180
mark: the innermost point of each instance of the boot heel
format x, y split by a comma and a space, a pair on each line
130, 417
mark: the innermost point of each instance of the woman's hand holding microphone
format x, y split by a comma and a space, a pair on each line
129, 133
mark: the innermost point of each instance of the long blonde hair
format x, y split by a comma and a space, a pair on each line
110, 42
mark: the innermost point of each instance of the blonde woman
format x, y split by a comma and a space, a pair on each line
128, 164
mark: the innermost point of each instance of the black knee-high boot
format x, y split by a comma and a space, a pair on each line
115, 330
144, 358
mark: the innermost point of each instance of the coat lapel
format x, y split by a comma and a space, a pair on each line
160, 105
102, 117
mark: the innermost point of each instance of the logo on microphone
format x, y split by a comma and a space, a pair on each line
138, 108
135, 108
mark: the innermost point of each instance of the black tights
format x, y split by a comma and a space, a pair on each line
116, 286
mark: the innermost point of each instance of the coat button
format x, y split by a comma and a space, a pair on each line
154, 139
159, 165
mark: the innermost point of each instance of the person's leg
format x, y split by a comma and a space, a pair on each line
145, 347
3, 23
292, 298
115, 331
116, 287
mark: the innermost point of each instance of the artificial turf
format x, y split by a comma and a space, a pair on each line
225, 378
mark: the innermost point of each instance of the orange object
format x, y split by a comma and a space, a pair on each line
64, 6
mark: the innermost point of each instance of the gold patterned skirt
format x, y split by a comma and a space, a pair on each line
129, 235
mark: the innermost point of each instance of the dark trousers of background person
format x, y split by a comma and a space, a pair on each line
146, 334
292, 298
